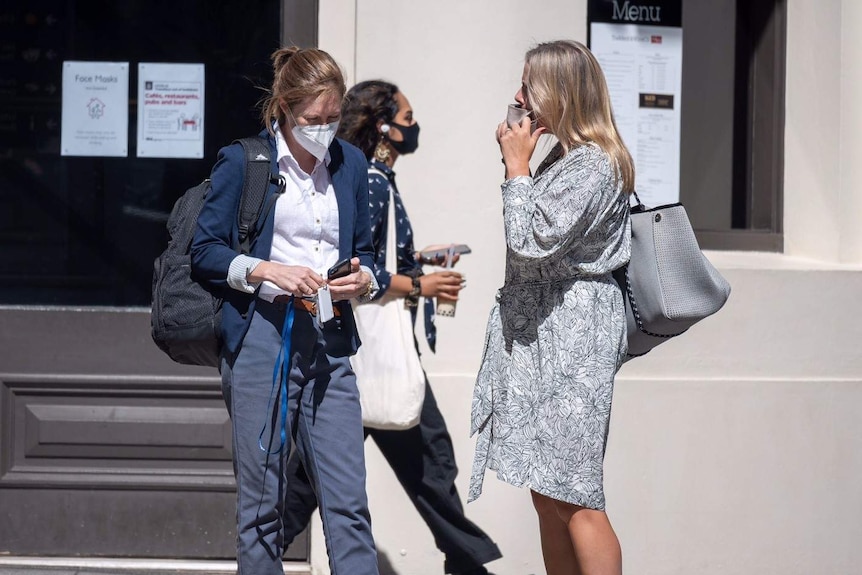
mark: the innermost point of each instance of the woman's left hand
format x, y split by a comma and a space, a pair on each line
517, 145
442, 260
352, 285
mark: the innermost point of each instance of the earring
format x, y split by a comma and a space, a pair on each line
381, 152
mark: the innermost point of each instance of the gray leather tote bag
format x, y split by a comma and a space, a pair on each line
668, 285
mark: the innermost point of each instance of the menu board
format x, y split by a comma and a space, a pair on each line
639, 47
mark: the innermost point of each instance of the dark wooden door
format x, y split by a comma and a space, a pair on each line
107, 448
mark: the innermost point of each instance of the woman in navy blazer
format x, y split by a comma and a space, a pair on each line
287, 329
212, 253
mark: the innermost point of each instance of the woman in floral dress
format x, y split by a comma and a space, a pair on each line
557, 334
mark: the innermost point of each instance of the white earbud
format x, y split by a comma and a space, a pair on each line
384, 128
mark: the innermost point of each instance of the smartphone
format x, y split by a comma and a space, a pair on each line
439, 254
339, 270
516, 113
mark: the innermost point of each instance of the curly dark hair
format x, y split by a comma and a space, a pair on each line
364, 105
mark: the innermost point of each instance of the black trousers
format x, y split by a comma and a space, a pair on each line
424, 462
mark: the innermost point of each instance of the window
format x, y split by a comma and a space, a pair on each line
85, 230
733, 122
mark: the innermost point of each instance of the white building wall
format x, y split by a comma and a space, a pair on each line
850, 198
734, 450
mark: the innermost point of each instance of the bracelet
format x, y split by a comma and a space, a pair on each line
412, 298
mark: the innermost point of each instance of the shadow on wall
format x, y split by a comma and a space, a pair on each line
383, 564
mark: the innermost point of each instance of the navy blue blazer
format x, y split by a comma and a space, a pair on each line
217, 232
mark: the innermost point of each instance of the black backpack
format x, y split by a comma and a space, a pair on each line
186, 315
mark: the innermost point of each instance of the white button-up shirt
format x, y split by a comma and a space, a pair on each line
306, 218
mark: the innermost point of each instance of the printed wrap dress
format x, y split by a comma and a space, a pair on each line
557, 333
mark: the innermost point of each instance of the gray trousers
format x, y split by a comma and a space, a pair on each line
325, 422
423, 459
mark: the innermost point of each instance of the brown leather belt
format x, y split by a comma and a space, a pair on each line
301, 304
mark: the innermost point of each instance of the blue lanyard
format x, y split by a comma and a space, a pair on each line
282, 367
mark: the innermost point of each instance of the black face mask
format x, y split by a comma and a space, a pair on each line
411, 139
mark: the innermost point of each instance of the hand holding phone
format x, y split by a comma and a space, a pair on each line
437, 255
346, 280
516, 113
339, 270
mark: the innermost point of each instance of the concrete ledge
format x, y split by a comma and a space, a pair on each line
730, 260
108, 566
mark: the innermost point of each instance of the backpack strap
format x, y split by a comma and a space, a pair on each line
258, 176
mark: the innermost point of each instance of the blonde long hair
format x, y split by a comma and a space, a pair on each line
299, 74
567, 90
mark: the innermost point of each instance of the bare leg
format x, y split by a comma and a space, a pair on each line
557, 549
576, 540
597, 548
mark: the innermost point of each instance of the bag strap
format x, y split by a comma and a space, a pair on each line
258, 175
639, 207
391, 240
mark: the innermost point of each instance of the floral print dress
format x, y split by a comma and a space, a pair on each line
557, 334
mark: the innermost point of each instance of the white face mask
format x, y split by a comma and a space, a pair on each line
315, 139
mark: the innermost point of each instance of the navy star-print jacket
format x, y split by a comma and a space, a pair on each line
381, 179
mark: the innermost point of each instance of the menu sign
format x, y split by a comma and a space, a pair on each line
638, 44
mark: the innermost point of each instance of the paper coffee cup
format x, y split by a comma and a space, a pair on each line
446, 308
